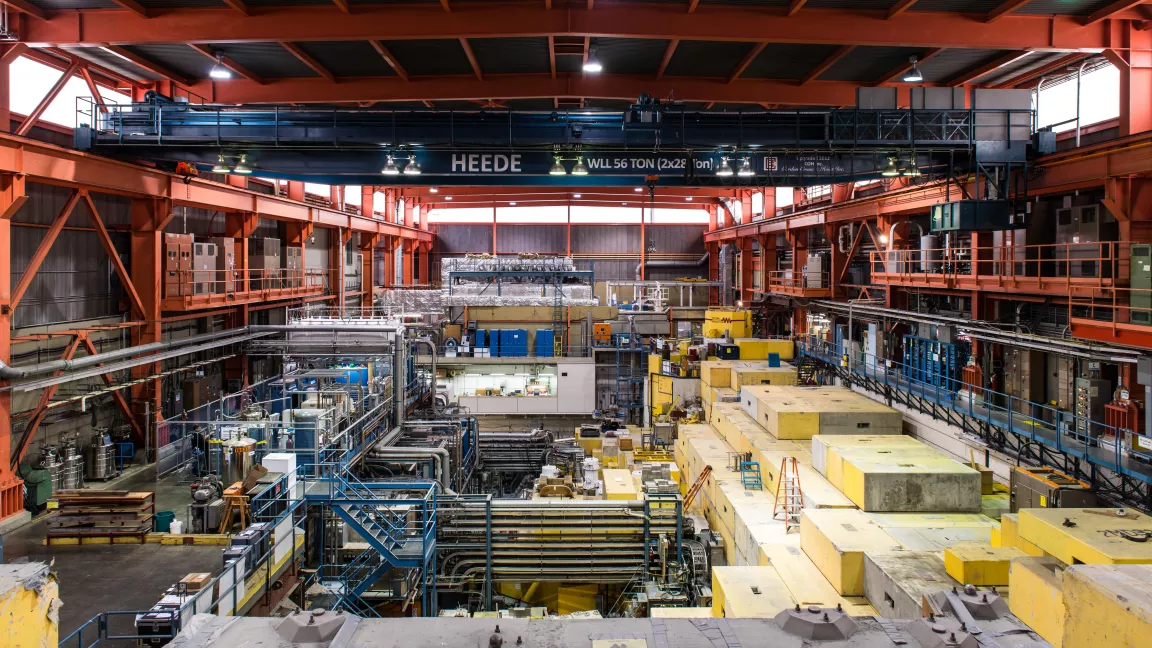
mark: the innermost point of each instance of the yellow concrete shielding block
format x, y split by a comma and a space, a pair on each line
1010, 535
748, 593
1037, 596
1108, 605
29, 606
680, 613
1088, 536
757, 349
980, 565
836, 539
618, 485
805, 582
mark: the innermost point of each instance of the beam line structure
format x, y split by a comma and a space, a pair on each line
298, 24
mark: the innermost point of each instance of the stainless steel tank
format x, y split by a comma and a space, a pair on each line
931, 256
50, 461
100, 461
72, 470
237, 458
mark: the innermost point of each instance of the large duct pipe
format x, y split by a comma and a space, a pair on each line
670, 263
13, 373
439, 457
400, 380
726, 261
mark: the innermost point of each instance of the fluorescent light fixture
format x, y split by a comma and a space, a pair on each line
724, 170
557, 168
221, 166
242, 166
892, 170
413, 167
911, 171
447, 197
512, 204
433, 190
688, 198
576, 195
746, 168
390, 167
639, 189
913, 75
580, 169
218, 70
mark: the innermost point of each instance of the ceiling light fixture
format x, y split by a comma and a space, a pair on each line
512, 204
746, 168
892, 170
914, 75
390, 167
580, 169
221, 166
592, 64
639, 189
434, 190
413, 167
557, 168
447, 197
688, 198
911, 171
724, 170
576, 195
242, 166
218, 70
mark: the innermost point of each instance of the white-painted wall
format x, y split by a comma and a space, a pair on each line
575, 394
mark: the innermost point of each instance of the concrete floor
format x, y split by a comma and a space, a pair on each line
100, 578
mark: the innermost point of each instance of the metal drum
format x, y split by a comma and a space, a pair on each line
72, 471
237, 459
101, 456
50, 461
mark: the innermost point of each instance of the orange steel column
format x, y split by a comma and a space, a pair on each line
425, 254
148, 220
337, 246
407, 249
296, 190
368, 270
5, 96
368, 201
746, 247
836, 261
11, 197
1131, 58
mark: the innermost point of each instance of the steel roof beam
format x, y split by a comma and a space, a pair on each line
1025, 77
624, 20
1110, 11
900, 7
149, 65
975, 73
386, 54
306, 59
228, 63
133, 6
343, 6
827, 63
472, 59
795, 6
238, 5
668, 53
535, 86
26, 8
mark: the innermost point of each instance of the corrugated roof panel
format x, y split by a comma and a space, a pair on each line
1021, 67
1072, 7
707, 58
758, 3
511, 55
182, 4
569, 64
788, 61
284, 3
113, 62
963, 6
75, 4
432, 56
347, 58
529, 104
177, 57
628, 55
268, 60
849, 4
868, 64
952, 62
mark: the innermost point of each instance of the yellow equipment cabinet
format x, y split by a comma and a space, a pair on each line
758, 349
727, 322
980, 565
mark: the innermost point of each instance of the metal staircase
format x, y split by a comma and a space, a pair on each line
789, 496
750, 475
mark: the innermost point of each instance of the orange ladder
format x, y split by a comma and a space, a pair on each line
789, 496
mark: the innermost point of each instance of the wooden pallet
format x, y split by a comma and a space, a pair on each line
100, 517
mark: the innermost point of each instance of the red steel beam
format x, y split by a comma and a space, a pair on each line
15, 51
623, 20
25, 7
472, 58
893, 75
106, 241
1110, 11
795, 6
306, 59
117, 395
93, 88
148, 64
535, 86
1004, 9
552, 55
975, 73
133, 6
384, 53
668, 53
747, 60
42, 407
900, 7
43, 249
60, 60
444, 3
827, 63
53, 92
229, 63
343, 6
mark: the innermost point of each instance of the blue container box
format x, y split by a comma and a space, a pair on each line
513, 343
545, 343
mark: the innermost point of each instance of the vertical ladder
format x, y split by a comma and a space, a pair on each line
558, 315
696, 486
789, 497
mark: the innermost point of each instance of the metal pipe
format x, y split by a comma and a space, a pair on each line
726, 274
12, 373
439, 456
670, 263
400, 380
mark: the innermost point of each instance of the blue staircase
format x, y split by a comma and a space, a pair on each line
750, 475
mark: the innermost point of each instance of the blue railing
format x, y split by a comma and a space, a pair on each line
1039, 423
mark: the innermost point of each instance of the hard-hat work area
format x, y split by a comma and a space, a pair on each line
575, 323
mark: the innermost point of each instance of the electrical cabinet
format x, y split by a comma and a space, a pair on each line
1080, 229
972, 216
932, 362
1024, 378
816, 270
1140, 282
177, 264
293, 266
227, 278
204, 268
264, 263
1092, 394
1047, 488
